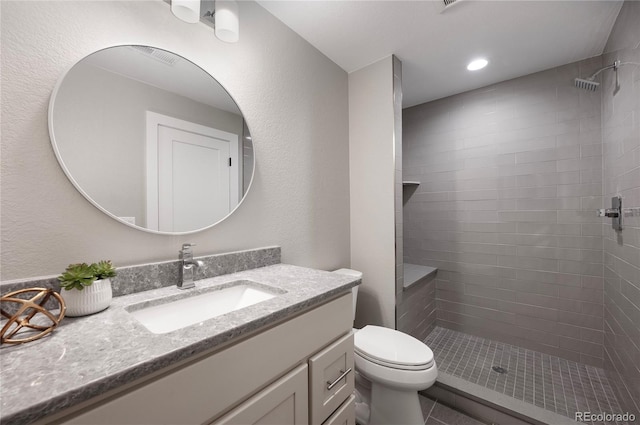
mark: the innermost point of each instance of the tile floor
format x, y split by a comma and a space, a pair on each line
436, 413
549, 382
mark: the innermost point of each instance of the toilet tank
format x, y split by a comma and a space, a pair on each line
354, 290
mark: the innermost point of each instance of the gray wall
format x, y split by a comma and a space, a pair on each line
621, 138
510, 178
415, 307
416, 310
295, 101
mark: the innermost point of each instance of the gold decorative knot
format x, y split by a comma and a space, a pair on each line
27, 310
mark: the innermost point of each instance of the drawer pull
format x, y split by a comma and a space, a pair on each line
330, 384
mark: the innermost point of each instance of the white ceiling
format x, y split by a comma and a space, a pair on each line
166, 71
518, 37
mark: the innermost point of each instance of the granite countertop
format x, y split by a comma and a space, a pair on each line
88, 356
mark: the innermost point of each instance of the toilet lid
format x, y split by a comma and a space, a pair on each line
392, 348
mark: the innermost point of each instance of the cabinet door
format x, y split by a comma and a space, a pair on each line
331, 378
282, 403
345, 415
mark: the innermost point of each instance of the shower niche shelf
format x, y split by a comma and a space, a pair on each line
410, 183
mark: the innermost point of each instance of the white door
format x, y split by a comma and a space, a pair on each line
193, 180
192, 175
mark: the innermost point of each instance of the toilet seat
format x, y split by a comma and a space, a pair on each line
401, 379
390, 348
394, 365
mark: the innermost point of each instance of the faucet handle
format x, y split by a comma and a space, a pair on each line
186, 253
186, 248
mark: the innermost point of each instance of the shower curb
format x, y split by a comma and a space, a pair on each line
490, 406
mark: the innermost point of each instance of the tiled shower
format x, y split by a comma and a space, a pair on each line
511, 177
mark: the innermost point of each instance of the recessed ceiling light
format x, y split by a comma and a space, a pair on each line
477, 64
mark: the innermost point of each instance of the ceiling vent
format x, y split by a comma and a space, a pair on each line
160, 55
448, 4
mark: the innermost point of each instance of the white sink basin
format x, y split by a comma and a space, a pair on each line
176, 313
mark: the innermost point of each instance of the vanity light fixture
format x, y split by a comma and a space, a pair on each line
186, 10
222, 15
477, 64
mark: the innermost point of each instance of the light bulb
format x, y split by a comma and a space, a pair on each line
227, 27
477, 64
186, 10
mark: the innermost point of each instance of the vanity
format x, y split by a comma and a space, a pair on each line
288, 359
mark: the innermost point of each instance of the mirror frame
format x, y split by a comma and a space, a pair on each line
73, 181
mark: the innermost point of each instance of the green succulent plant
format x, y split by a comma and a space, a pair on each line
77, 276
103, 270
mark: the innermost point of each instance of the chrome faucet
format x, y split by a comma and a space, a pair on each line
187, 266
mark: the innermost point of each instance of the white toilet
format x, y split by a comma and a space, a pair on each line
391, 367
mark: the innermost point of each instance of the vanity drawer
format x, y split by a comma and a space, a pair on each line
345, 415
331, 378
283, 402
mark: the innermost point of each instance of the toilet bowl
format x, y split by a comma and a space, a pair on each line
391, 367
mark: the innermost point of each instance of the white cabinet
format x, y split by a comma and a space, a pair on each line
283, 402
345, 415
259, 376
331, 378
325, 399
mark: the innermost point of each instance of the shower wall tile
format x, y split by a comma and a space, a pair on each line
621, 159
417, 310
510, 177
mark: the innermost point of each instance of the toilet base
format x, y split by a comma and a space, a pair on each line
363, 399
391, 406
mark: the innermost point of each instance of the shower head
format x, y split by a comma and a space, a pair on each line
588, 85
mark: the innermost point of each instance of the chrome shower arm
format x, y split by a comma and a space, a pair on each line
614, 65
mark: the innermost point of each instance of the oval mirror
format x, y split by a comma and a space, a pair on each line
151, 139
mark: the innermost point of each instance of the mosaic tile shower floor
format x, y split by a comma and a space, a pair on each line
549, 382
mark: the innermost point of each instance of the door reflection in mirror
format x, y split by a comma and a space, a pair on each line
192, 174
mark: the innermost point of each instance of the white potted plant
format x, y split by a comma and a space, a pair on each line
86, 289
